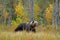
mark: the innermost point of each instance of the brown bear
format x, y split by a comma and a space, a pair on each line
27, 26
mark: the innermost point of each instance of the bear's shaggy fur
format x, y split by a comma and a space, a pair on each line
27, 26
21, 27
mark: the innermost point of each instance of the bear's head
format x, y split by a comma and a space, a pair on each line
34, 23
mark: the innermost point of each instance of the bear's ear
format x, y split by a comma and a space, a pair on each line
32, 21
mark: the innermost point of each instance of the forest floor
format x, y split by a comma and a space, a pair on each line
7, 33
29, 36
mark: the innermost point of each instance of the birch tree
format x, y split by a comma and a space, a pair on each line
31, 10
10, 5
56, 13
2, 7
1, 11
43, 6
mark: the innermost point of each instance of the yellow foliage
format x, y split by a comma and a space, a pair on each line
1, 5
19, 12
19, 9
49, 12
36, 8
5, 13
19, 20
35, 17
14, 24
25, 18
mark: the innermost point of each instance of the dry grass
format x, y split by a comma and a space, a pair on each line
27, 36
43, 33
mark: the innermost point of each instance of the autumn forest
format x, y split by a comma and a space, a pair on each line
15, 12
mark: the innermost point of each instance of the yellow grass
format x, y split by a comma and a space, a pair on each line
27, 36
43, 33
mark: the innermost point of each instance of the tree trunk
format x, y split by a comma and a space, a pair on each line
4, 8
1, 11
43, 11
31, 10
10, 6
56, 13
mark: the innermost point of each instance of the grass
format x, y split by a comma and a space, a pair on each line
43, 33
27, 36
